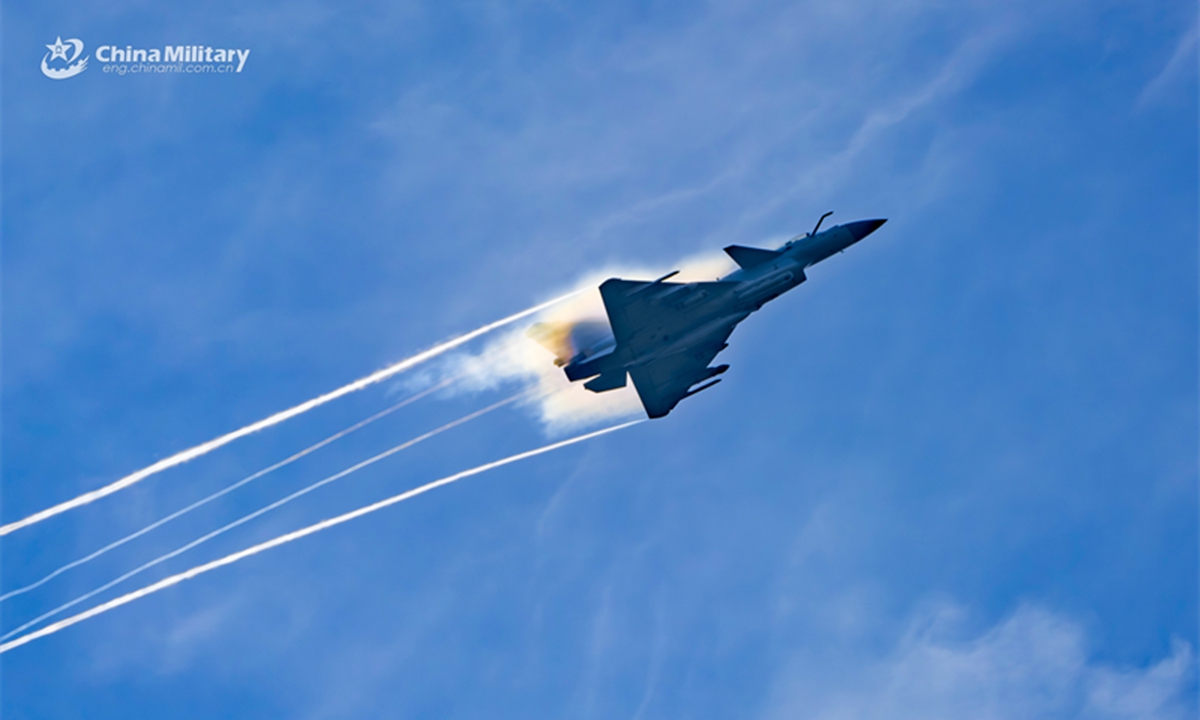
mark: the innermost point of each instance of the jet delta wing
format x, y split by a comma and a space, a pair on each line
665, 334
669, 334
648, 314
664, 380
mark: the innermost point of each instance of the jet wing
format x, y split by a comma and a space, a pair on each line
643, 314
646, 317
662, 382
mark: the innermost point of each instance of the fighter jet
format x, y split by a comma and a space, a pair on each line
665, 334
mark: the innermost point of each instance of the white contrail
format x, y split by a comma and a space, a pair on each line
296, 535
220, 493
247, 518
275, 419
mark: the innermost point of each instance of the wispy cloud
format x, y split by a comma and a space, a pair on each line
1034, 664
1176, 69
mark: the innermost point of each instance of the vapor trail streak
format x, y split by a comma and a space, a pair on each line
247, 518
296, 535
220, 493
197, 451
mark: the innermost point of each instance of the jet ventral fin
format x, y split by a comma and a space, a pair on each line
607, 381
748, 257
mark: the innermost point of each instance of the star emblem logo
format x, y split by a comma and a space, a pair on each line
64, 53
58, 49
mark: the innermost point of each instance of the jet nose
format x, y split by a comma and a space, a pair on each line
862, 228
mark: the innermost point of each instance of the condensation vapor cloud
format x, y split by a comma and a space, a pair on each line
513, 357
224, 491
296, 535
279, 417
261, 511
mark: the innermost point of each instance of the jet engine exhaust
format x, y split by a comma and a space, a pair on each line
225, 491
296, 535
263, 510
202, 449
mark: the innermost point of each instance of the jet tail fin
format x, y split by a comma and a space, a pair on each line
748, 257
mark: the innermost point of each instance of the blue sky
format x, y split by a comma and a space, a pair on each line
953, 474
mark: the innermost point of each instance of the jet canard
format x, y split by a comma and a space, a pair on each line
665, 334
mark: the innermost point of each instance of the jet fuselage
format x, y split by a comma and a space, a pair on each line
665, 334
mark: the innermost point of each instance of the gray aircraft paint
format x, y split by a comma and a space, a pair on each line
665, 334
